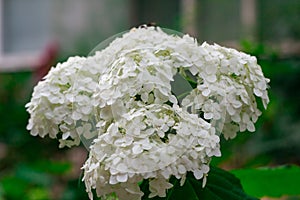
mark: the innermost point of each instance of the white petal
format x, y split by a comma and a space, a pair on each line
250, 126
122, 178
181, 169
198, 174
173, 99
257, 92
206, 92
65, 135
208, 115
113, 180
137, 149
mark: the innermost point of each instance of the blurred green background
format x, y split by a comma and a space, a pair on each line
36, 34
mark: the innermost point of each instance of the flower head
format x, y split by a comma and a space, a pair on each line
149, 106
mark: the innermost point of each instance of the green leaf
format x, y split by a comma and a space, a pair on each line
13, 187
272, 182
38, 193
30, 175
180, 192
53, 167
221, 185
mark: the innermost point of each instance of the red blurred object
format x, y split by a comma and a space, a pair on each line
46, 60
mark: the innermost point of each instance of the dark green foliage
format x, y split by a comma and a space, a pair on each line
30, 167
221, 185
273, 182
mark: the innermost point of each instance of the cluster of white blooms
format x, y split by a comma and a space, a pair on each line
62, 101
228, 83
149, 142
122, 102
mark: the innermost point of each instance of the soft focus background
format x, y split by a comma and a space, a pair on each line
36, 34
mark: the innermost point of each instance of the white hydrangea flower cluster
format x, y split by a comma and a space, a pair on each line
63, 100
149, 142
122, 103
227, 86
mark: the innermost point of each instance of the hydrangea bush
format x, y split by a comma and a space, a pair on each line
149, 106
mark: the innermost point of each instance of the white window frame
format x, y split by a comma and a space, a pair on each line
13, 62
